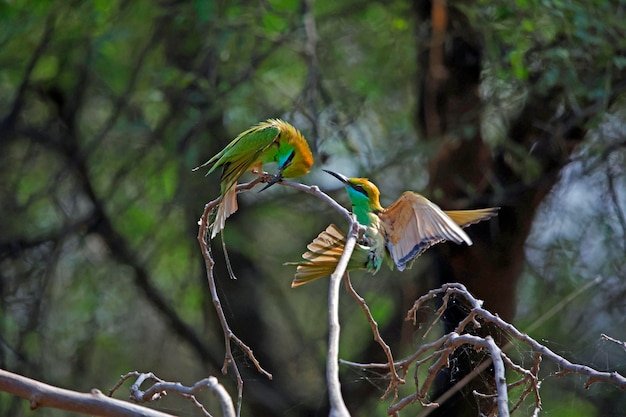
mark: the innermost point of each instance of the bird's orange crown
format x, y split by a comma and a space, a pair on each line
302, 158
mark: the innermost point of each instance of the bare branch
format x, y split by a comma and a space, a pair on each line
484, 365
94, 403
441, 349
610, 339
502, 399
315, 191
160, 388
229, 336
337, 406
395, 379
567, 366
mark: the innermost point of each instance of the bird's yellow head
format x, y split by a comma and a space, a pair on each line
294, 156
364, 196
364, 189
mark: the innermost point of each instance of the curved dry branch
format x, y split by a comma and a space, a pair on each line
395, 379
316, 192
486, 316
160, 388
437, 353
229, 336
94, 403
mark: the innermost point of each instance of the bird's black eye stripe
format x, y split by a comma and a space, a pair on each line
359, 188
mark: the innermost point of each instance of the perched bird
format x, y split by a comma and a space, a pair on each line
271, 141
397, 234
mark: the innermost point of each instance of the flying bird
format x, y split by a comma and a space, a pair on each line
397, 234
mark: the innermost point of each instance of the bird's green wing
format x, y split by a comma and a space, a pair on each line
242, 152
251, 142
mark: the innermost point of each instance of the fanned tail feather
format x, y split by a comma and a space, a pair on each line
465, 218
227, 206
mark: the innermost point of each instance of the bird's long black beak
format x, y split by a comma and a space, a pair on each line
276, 178
340, 177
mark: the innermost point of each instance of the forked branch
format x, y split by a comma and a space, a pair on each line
160, 388
437, 354
394, 379
337, 405
229, 336
94, 403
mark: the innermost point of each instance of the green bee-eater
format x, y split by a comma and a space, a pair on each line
271, 141
398, 233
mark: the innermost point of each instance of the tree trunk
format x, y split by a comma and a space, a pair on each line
463, 173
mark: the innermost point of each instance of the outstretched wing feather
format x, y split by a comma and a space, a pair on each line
322, 257
413, 224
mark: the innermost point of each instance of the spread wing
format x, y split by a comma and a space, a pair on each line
328, 245
413, 224
322, 257
324, 253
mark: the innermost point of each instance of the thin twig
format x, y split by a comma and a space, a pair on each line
610, 339
444, 346
530, 378
315, 191
484, 365
395, 379
229, 336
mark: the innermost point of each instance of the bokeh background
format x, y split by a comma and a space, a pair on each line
106, 106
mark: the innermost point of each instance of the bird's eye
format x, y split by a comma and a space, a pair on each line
360, 189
